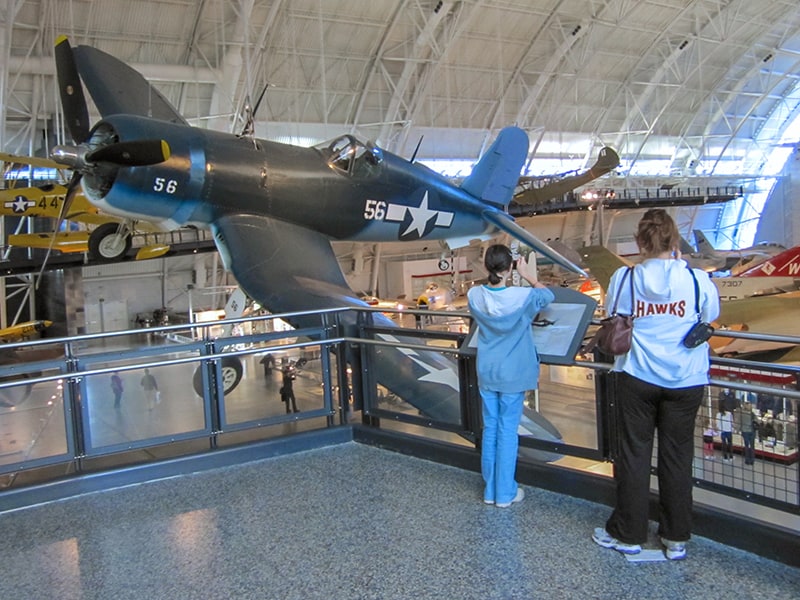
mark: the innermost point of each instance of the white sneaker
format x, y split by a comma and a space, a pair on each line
604, 539
674, 550
518, 498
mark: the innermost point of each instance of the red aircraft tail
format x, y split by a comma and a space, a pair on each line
785, 264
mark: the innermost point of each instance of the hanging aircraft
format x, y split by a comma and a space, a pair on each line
535, 191
274, 208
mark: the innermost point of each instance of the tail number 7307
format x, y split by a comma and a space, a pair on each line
374, 210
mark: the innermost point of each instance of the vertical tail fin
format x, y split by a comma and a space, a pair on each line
495, 176
704, 247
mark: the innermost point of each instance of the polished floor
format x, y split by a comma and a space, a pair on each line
347, 521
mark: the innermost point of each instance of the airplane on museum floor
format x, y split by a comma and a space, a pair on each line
274, 208
23, 331
13, 396
777, 275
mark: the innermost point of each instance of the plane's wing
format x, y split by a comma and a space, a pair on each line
34, 161
285, 267
117, 88
779, 313
289, 268
602, 263
505, 222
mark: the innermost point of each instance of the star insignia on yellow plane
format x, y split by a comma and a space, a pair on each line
20, 204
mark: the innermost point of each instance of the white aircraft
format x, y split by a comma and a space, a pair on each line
736, 261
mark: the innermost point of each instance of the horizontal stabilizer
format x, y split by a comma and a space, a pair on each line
506, 223
602, 263
495, 176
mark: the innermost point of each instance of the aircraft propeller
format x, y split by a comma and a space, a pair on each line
84, 156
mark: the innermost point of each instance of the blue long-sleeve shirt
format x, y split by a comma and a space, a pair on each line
507, 357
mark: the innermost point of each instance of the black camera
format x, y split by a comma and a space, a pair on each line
699, 333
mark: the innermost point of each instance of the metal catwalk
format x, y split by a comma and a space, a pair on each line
346, 521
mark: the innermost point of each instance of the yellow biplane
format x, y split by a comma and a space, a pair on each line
102, 236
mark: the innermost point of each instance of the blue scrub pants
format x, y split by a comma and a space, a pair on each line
501, 417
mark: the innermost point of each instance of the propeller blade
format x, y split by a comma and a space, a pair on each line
72, 190
132, 154
76, 115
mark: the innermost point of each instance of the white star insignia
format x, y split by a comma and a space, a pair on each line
20, 204
420, 216
446, 376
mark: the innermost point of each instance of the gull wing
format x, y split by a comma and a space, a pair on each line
285, 267
288, 268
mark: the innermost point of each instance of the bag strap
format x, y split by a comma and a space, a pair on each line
619, 293
696, 293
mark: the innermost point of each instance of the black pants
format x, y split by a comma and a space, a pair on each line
727, 444
643, 407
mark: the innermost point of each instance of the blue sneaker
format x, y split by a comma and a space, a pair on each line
604, 539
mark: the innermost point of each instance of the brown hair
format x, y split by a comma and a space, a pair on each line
657, 232
496, 260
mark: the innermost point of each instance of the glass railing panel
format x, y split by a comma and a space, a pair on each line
566, 399
278, 382
156, 403
33, 422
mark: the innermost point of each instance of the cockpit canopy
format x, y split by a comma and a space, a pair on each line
350, 155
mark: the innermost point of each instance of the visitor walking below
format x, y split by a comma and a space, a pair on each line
725, 428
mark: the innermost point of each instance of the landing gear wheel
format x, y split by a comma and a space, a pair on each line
231, 376
110, 241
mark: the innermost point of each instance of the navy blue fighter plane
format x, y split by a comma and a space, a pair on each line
274, 208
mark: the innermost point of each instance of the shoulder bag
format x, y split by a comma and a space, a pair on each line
616, 331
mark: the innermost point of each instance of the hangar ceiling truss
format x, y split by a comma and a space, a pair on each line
681, 88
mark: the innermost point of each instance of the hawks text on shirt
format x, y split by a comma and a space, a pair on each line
644, 309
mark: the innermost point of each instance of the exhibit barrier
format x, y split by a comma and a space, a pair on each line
185, 393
